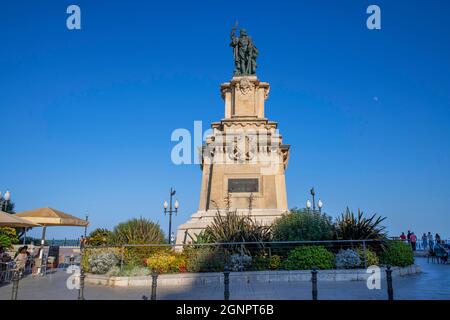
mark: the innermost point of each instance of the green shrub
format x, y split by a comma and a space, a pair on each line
260, 263
99, 237
167, 262
370, 256
397, 254
275, 262
206, 259
309, 257
303, 225
137, 231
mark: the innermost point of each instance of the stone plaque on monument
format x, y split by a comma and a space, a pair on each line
243, 185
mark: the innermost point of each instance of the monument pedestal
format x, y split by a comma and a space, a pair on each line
244, 160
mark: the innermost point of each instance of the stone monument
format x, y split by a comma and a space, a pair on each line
244, 160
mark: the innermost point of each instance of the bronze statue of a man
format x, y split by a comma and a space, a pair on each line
245, 53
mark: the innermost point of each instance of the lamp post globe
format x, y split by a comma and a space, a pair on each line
308, 205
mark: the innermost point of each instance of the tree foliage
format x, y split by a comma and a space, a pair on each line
10, 233
303, 225
99, 237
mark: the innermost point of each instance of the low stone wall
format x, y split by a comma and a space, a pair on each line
192, 279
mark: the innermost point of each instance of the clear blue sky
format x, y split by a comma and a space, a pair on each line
86, 116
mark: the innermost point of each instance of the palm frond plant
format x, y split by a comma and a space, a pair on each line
359, 227
229, 226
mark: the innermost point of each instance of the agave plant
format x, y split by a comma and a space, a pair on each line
137, 231
351, 227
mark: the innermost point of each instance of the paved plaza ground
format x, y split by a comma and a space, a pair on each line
432, 283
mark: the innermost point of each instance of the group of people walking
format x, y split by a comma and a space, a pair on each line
428, 241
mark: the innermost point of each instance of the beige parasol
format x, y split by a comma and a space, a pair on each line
48, 217
51, 217
11, 220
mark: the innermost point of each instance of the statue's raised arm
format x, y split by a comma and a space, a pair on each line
233, 32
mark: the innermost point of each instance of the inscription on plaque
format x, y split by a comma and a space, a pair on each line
243, 185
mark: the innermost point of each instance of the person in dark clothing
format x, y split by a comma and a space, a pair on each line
437, 238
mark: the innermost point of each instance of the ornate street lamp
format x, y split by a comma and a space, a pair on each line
320, 205
313, 204
4, 201
168, 210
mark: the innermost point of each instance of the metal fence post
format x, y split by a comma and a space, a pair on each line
154, 284
226, 282
389, 283
15, 287
314, 284
81, 290
121, 257
365, 255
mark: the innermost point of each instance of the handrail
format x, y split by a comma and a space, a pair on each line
237, 243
